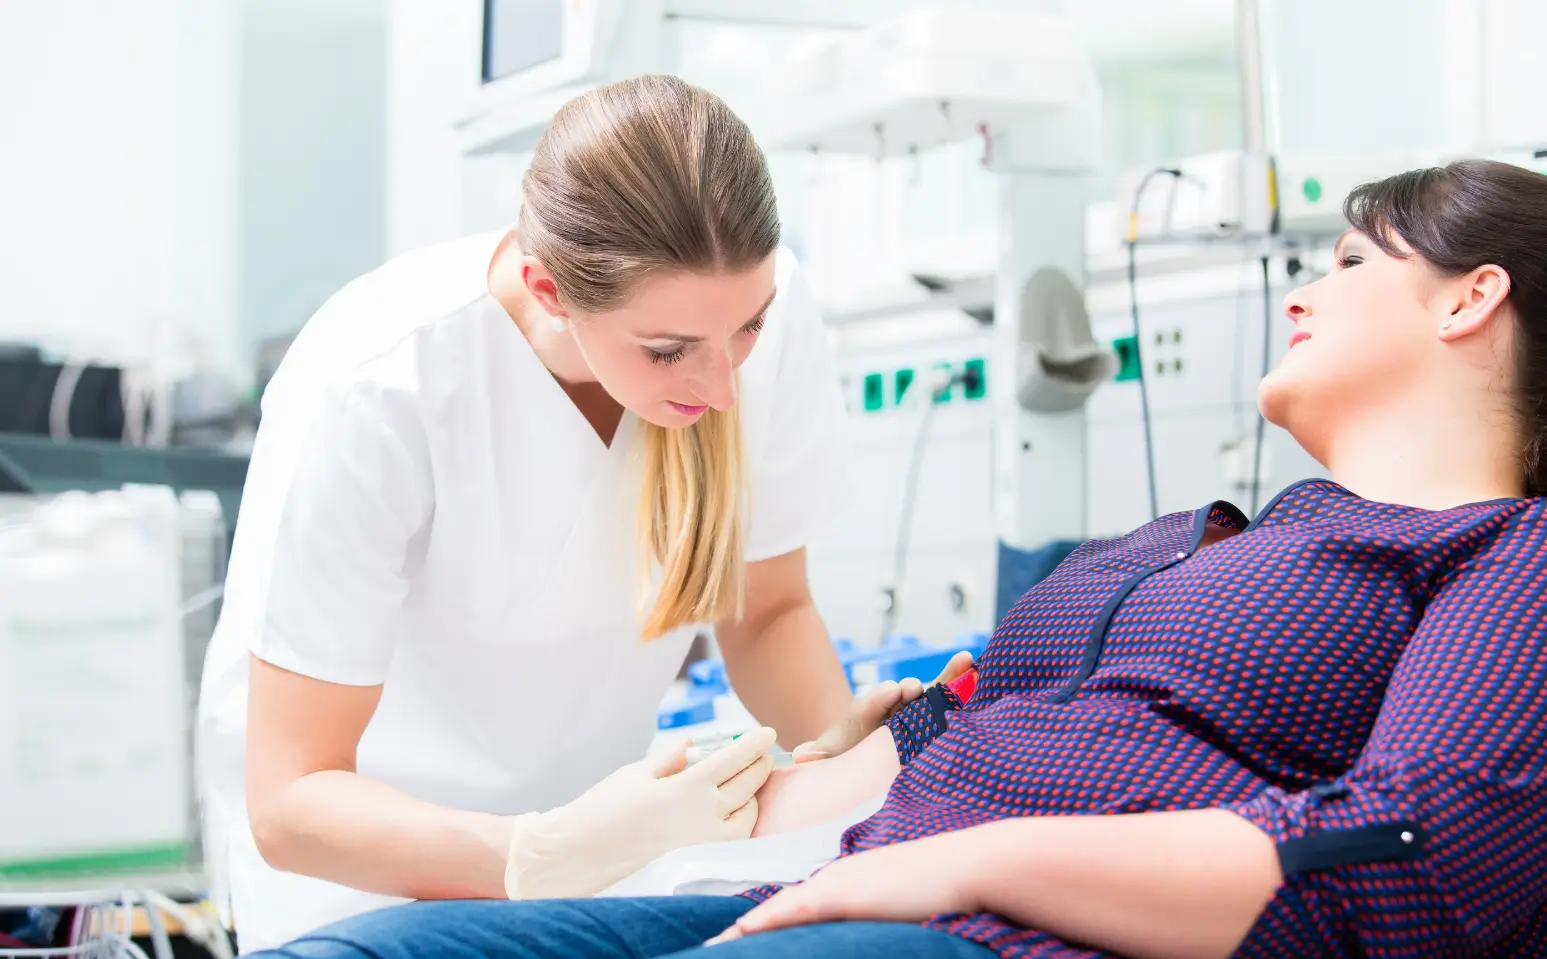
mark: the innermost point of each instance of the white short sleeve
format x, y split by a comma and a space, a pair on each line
800, 483
358, 495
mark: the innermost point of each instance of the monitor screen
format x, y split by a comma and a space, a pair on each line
520, 34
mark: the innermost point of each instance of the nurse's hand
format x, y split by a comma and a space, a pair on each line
871, 711
636, 815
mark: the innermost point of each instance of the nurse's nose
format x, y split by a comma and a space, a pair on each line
715, 384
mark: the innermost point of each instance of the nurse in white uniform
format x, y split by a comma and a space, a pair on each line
497, 484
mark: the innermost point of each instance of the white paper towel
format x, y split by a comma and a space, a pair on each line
728, 868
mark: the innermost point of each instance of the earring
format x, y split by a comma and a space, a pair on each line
560, 324
1445, 327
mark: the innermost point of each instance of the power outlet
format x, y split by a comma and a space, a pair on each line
1165, 358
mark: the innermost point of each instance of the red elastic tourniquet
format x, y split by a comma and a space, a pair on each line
964, 684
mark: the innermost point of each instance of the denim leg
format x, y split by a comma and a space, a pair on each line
845, 940
494, 929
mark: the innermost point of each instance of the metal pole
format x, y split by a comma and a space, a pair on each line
1248, 27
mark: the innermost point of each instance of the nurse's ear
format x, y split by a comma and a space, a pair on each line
539, 283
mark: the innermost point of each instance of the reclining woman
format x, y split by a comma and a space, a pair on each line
1319, 732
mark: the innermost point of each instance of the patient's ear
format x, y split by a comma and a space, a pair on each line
1472, 302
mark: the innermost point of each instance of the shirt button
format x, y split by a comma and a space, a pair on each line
1181, 554
1407, 837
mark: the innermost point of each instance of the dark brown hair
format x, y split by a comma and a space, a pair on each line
1469, 214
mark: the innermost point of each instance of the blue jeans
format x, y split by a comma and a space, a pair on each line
606, 929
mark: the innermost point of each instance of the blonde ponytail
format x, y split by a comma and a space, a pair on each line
692, 521
635, 178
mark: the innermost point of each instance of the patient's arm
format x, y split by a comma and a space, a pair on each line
812, 792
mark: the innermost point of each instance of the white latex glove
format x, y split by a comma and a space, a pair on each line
636, 815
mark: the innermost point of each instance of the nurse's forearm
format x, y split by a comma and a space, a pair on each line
785, 671
340, 826
1151, 886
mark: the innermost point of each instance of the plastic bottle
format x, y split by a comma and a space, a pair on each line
92, 698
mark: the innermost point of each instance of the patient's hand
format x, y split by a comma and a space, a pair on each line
812, 792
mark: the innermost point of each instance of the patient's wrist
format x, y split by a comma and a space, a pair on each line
878, 754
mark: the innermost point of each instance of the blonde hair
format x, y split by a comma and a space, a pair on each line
642, 177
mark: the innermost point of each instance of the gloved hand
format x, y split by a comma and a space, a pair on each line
871, 711
635, 815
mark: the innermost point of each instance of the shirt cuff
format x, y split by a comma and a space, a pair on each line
1306, 844
917, 724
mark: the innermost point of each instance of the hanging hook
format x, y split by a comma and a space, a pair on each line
916, 166
880, 143
988, 145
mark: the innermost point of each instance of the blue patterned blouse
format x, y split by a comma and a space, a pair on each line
1366, 683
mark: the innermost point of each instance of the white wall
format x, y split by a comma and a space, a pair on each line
116, 214
313, 156
1513, 32
433, 65
1383, 75
180, 178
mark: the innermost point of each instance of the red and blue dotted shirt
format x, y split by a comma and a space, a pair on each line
1366, 683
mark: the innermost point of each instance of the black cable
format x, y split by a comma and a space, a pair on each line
1267, 360
968, 379
1144, 393
1243, 303
1138, 340
905, 520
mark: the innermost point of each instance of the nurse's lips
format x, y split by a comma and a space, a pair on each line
687, 410
1298, 338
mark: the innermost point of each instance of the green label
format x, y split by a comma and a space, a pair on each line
1311, 188
137, 859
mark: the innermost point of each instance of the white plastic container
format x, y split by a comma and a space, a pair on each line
94, 771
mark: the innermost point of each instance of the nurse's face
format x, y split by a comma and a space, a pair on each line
671, 351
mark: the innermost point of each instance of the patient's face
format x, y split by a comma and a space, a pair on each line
1364, 335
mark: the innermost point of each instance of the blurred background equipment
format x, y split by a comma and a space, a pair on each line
107, 601
932, 159
1050, 240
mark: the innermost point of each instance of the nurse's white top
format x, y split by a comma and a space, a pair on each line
427, 510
